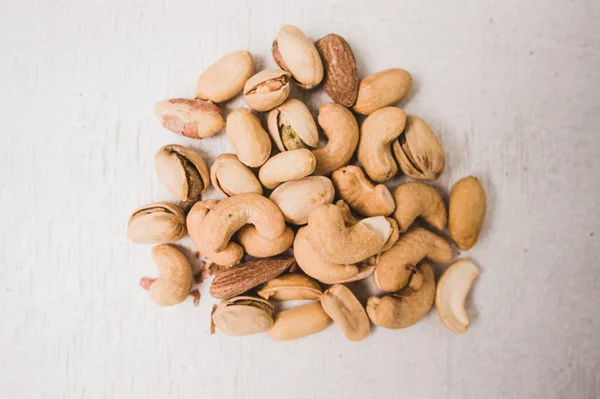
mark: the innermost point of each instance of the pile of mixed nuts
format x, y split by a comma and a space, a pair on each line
284, 203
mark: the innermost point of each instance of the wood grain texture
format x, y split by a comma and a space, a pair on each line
510, 87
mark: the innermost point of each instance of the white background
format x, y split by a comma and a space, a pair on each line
511, 88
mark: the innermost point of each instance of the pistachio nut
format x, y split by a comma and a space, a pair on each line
405, 307
346, 311
287, 166
382, 89
418, 150
225, 78
237, 279
294, 52
292, 126
298, 198
291, 286
182, 171
231, 177
267, 89
299, 322
341, 78
250, 141
196, 119
157, 223
243, 315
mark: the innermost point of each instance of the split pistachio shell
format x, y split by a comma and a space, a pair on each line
418, 150
196, 119
243, 315
292, 126
249, 139
299, 322
225, 78
231, 177
406, 307
182, 171
291, 286
466, 212
287, 166
267, 89
298, 198
347, 312
157, 223
382, 89
294, 52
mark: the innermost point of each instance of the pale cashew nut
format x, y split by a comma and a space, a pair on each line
231, 255
175, 280
377, 133
320, 269
368, 200
406, 307
415, 200
395, 266
334, 242
287, 166
229, 215
453, 287
260, 247
341, 129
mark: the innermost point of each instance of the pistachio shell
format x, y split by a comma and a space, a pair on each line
293, 123
182, 171
343, 307
287, 166
382, 89
249, 139
294, 52
298, 198
231, 177
243, 315
299, 322
157, 223
418, 150
267, 89
291, 286
225, 78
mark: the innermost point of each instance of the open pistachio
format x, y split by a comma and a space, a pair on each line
196, 119
418, 150
267, 89
343, 307
292, 126
231, 177
291, 286
243, 315
299, 322
298, 198
157, 223
182, 171
294, 52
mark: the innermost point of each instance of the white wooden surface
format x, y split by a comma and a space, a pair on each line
510, 86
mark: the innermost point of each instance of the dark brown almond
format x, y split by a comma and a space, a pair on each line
341, 78
238, 279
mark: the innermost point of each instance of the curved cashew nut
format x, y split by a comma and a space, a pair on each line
452, 290
318, 268
231, 255
336, 243
377, 133
341, 129
260, 247
368, 200
416, 199
175, 280
395, 266
229, 215
406, 307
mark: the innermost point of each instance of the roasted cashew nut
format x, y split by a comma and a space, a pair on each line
406, 307
395, 266
336, 243
231, 214
415, 200
354, 188
175, 280
231, 255
341, 129
377, 133
260, 247
452, 290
